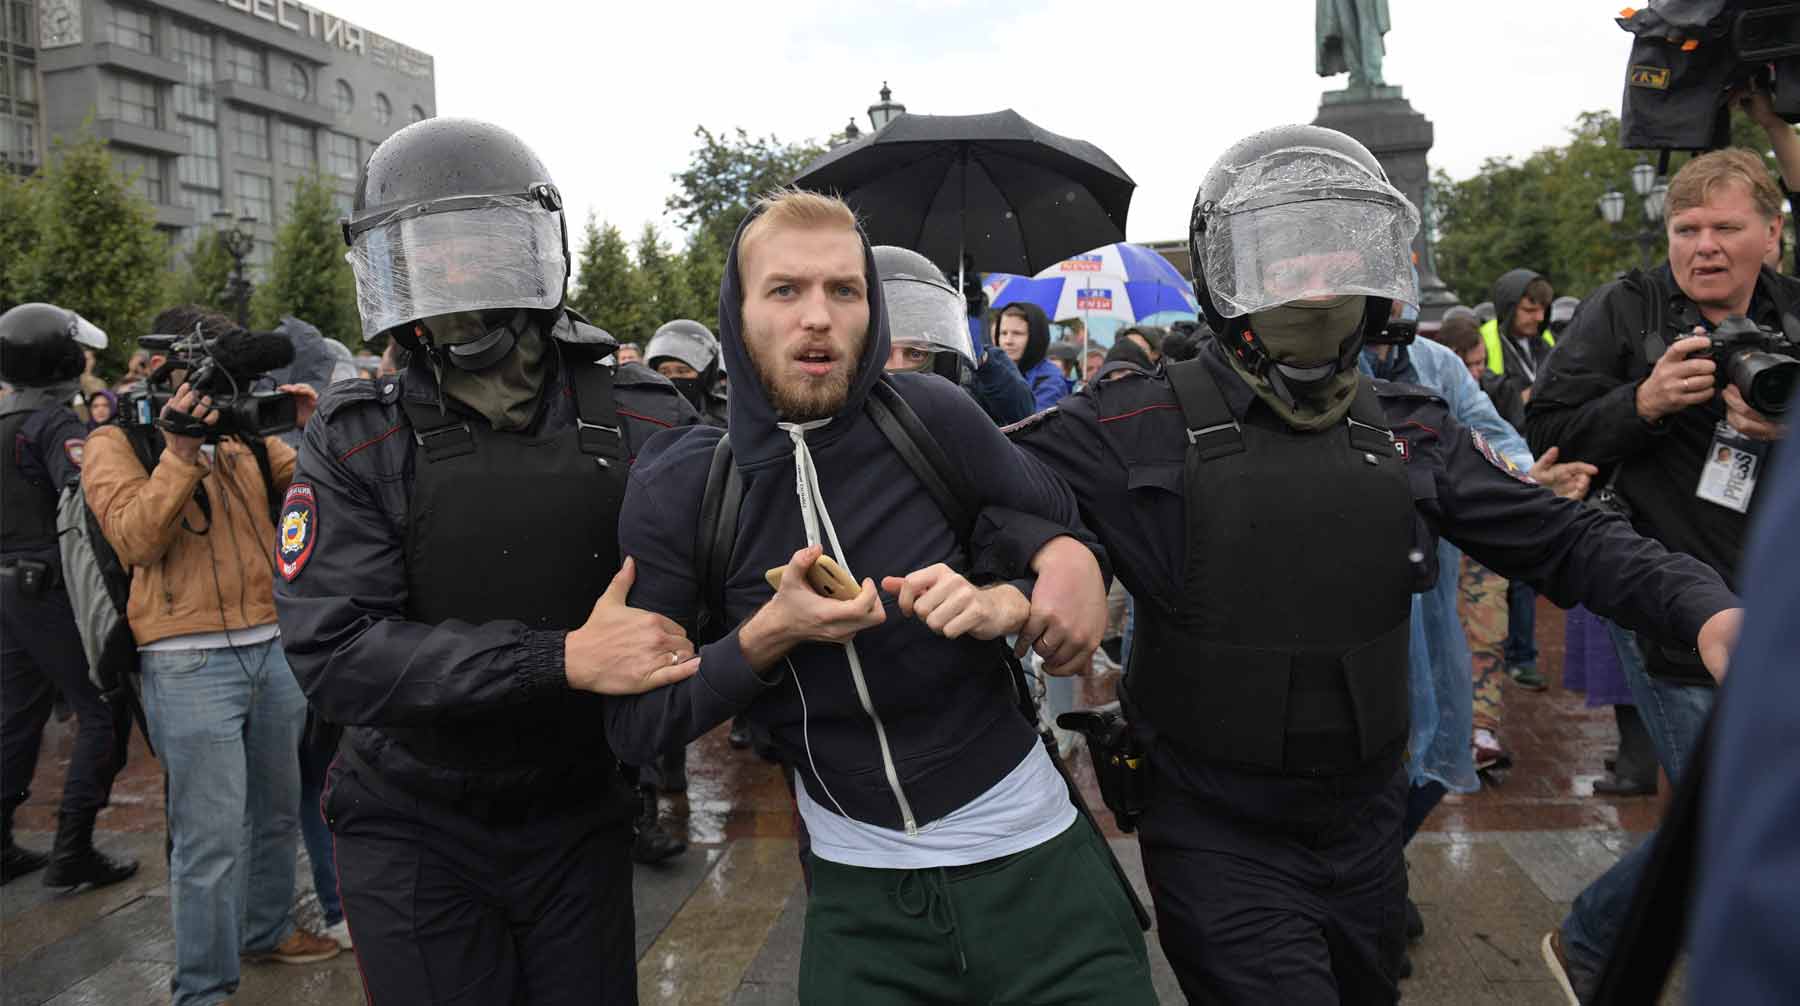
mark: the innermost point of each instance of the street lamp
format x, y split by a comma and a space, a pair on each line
887, 110
238, 235
1612, 206
851, 133
1643, 176
1653, 194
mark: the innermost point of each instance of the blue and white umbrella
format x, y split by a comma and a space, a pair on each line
1107, 288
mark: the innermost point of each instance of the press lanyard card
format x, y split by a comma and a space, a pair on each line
1729, 474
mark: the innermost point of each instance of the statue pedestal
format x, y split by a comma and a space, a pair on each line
1384, 121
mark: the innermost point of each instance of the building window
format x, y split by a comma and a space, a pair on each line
299, 82
416, 114
18, 23
340, 155
256, 196
134, 101
18, 142
204, 203
200, 168
251, 132
23, 80
297, 145
384, 109
193, 50
143, 174
131, 28
343, 98
244, 64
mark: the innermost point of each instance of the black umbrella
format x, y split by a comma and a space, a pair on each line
1013, 196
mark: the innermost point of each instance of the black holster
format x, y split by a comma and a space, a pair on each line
1120, 765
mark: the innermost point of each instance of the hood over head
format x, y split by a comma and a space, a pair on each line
1037, 344
313, 359
1509, 289
755, 439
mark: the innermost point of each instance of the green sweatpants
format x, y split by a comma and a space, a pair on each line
1047, 925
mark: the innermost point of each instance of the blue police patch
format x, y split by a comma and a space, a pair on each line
298, 531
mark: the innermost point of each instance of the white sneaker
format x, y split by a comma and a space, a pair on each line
339, 933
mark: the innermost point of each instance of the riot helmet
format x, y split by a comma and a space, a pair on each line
40, 344
926, 314
1484, 312
457, 229
1562, 311
1300, 246
693, 345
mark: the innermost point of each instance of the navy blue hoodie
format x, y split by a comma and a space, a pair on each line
948, 707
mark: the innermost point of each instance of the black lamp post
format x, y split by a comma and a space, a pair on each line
239, 237
885, 111
851, 133
1653, 192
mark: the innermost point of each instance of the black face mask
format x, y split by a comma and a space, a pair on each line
693, 389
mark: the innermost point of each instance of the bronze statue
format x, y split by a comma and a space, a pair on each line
1348, 36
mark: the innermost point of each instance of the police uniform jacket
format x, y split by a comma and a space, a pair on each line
343, 590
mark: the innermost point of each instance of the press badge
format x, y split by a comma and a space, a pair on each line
1729, 475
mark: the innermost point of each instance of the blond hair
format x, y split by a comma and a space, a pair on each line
1694, 183
795, 209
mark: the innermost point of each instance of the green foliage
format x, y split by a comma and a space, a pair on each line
1542, 212
19, 199
97, 250
664, 281
202, 277
703, 268
726, 173
608, 290
308, 277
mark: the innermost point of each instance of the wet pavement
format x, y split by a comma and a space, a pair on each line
722, 924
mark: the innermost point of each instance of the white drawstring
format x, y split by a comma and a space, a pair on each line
813, 513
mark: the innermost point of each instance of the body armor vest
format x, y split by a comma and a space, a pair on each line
525, 527
27, 505
1286, 650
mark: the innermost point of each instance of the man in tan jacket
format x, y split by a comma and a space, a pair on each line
224, 711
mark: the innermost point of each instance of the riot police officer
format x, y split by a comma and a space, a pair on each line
1268, 681
687, 353
441, 550
40, 650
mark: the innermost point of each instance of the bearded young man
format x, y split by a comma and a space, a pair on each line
948, 862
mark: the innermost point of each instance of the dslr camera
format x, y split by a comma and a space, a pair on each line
1758, 360
227, 368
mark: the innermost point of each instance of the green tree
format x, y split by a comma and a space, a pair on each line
664, 282
702, 269
1542, 212
98, 251
19, 197
308, 277
608, 290
725, 173
203, 274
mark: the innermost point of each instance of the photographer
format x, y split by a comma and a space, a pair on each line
224, 711
1636, 387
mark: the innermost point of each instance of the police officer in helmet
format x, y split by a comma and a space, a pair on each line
929, 331
451, 589
40, 650
687, 353
1268, 683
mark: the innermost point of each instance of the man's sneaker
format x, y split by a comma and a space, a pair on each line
300, 947
1488, 752
1577, 983
1526, 676
339, 933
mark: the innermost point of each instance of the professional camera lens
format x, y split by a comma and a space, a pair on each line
1766, 380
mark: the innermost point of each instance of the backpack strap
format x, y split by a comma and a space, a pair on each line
1212, 431
714, 539
260, 451
924, 456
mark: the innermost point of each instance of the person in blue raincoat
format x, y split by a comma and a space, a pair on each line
1022, 331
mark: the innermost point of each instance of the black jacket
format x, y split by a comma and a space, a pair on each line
360, 661
1133, 498
45, 456
948, 706
1585, 402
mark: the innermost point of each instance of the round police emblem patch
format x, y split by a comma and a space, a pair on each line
298, 530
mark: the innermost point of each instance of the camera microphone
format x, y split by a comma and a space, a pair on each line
246, 355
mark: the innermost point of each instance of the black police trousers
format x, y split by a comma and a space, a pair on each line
446, 907
1279, 889
40, 655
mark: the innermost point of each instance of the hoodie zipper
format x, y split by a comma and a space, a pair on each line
813, 513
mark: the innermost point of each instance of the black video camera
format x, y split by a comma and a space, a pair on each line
1756, 359
1397, 332
227, 368
1688, 55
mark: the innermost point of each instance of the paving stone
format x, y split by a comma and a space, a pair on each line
658, 892
54, 968
121, 983
32, 915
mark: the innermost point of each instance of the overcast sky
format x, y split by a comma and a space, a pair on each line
609, 93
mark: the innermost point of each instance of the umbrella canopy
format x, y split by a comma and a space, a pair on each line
1116, 283
1013, 196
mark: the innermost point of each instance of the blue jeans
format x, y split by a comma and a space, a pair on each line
226, 724
1674, 714
1521, 623
314, 761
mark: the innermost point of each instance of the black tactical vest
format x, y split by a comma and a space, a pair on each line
1287, 649
27, 505
524, 527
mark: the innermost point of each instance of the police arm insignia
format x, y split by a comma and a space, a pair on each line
298, 532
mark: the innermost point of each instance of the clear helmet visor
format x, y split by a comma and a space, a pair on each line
1304, 225
502, 255
928, 317
86, 333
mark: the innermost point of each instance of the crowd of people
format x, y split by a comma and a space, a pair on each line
455, 630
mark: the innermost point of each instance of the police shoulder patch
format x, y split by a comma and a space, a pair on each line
73, 447
299, 530
1494, 457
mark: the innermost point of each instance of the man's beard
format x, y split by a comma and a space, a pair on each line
804, 400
